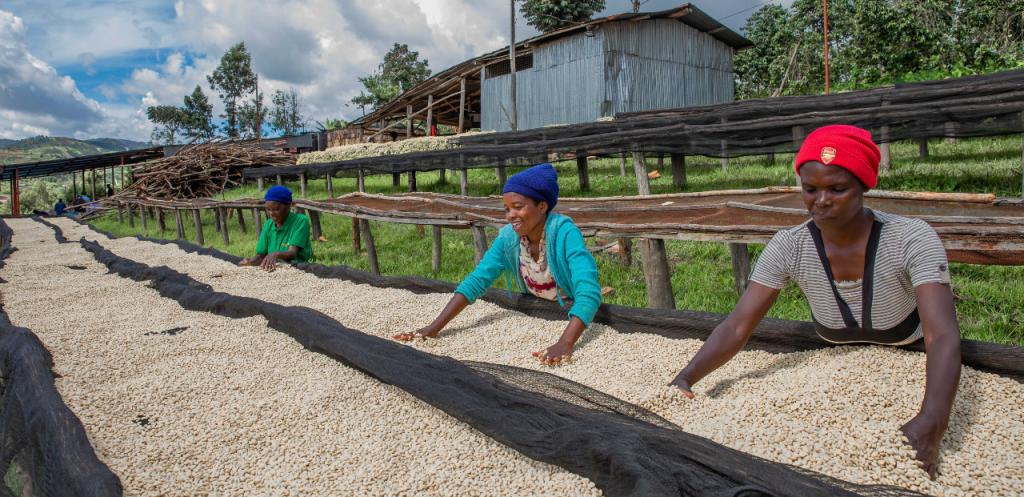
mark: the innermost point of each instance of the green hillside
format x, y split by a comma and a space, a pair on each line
46, 148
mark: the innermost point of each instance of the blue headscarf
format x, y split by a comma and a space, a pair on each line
539, 182
279, 194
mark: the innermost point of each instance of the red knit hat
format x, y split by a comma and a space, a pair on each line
848, 147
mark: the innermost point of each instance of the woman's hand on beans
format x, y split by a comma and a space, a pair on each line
555, 355
269, 263
925, 434
424, 332
681, 386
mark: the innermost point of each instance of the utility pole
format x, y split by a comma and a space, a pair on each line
636, 6
512, 62
259, 117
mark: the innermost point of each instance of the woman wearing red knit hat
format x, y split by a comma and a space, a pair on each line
869, 277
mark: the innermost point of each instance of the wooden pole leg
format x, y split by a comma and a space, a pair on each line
582, 170
179, 224
740, 266
678, 170
131, 217
657, 274
479, 243
222, 213
142, 217
626, 251
160, 221
120, 214
241, 219
357, 244
257, 226
371, 248
435, 259
197, 220
643, 185
314, 224
464, 182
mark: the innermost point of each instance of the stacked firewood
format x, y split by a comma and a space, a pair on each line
198, 171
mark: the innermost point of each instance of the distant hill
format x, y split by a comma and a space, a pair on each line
4, 142
55, 147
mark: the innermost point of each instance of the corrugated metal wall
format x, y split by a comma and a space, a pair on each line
625, 67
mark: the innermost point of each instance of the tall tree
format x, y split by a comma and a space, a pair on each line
549, 15
400, 70
233, 79
169, 121
252, 115
198, 116
762, 70
286, 114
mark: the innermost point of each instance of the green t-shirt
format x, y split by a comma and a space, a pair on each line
294, 231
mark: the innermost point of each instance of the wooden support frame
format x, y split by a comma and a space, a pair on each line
142, 217
120, 214
463, 176
329, 180
435, 253
643, 185
316, 229
131, 216
479, 243
302, 185
412, 180
657, 274
678, 170
257, 225
357, 244
740, 266
371, 247
922, 147
725, 152
161, 223
197, 220
259, 184
626, 251
462, 106
502, 175
582, 171
360, 180
622, 164
241, 220
179, 224
222, 213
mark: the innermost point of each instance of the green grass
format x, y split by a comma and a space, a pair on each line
990, 298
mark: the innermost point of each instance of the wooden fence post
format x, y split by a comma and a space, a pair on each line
643, 185
678, 170
950, 131
241, 219
259, 184
396, 179
257, 226
657, 274
216, 219
142, 216
626, 251
330, 185
314, 222
412, 181
740, 266
581, 169
356, 240
442, 177
179, 224
922, 147
131, 217
360, 180
435, 259
479, 243
463, 176
222, 213
502, 175
302, 185
622, 164
371, 248
120, 212
770, 159
279, 182
161, 223
197, 220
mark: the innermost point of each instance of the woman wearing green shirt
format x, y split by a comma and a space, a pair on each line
285, 236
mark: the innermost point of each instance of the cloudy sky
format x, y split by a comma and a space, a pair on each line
89, 68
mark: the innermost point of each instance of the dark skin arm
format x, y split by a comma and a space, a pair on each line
942, 372
454, 307
728, 337
269, 262
561, 351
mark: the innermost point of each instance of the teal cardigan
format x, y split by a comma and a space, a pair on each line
572, 266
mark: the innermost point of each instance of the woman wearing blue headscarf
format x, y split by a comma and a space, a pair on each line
285, 235
542, 253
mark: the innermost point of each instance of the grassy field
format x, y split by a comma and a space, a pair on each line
990, 300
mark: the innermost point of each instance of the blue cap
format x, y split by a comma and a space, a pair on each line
279, 194
539, 182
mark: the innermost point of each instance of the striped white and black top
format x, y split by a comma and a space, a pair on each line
909, 254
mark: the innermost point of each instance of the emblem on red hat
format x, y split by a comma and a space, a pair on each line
828, 154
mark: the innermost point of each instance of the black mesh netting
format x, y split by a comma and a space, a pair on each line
44, 450
988, 105
772, 335
622, 448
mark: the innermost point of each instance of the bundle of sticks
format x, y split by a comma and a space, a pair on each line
198, 171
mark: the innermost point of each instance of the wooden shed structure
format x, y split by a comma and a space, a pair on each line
623, 63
